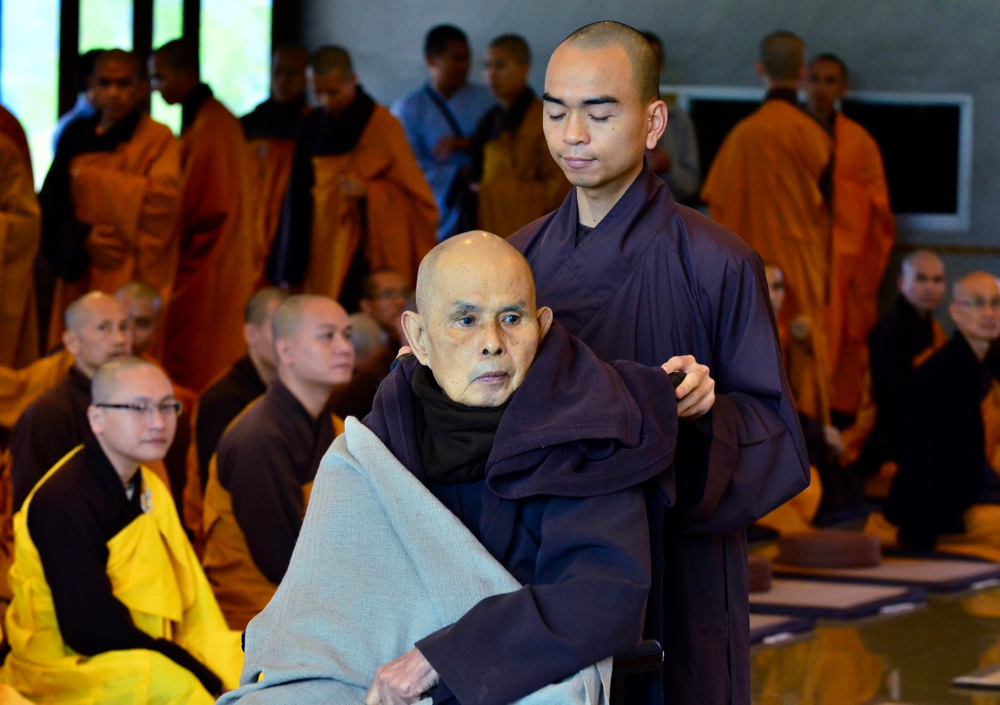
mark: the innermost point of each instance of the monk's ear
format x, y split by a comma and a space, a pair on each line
250, 334
656, 123
95, 416
283, 351
416, 335
545, 318
71, 341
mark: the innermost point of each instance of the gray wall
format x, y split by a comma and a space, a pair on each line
890, 45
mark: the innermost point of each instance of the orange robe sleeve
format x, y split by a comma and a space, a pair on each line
20, 237
18, 388
215, 272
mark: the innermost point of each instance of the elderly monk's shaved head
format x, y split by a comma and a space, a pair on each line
975, 308
476, 326
782, 55
922, 280
641, 55
97, 329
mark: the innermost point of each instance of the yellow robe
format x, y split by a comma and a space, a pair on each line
520, 182
154, 572
20, 237
398, 225
136, 189
239, 585
219, 252
863, 235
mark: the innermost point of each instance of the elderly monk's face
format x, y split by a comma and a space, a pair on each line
288, 75
775, 287
333, 91
144, 315
922, 282
827, 85
480, 330
144, 431
117, 89
102, 332
596, 126
320, 352
976, 308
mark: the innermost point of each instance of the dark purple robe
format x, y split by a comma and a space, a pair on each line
651, 281
562, 507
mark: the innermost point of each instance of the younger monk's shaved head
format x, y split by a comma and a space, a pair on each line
515, 46
332, 80
781, 57
139, 291
261, 305
258, 330
641, 56
143, 306
288, 72
180, 55
107, 379
476, 326
922, 280
975, 308
312, 340
174, 70
97, 330
118, 56
330, 58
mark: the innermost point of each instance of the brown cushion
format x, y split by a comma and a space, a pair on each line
760, 574
830, 548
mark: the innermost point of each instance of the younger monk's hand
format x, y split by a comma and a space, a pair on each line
353, 187
448, 144
696, 394
106, 249
403, 681
833, 439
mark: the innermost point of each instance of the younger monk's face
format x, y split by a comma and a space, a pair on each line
144, 316
595, 123
388, 299
117, 89
288, 75
827, 85
139, 436
775, 287
922, 282
976, 307
507, 78
333, 91
102, 333
171, 83
320, 352
478, 329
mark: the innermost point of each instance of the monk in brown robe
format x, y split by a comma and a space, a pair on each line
111, 198
357, 200
383, 297
20, 231
518, 181
270, 131
218, 253
770, 183
863, 232
260, 477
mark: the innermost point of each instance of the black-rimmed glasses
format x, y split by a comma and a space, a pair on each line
146, 409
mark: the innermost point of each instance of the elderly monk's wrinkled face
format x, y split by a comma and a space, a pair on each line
827, 85
103, 332
596, 126
144, 315
333, 91
976, 308
775, 287
320, 352
922, 282
117, 89
450, 69
506, 77
288, 75
387, 299
144, 431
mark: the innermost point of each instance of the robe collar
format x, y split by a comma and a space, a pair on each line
332, 135
274, 120
282, 397
78, 380
500, 120
192, 104
788, 95
246, 374
98, 462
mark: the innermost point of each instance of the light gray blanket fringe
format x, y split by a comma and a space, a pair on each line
380, 563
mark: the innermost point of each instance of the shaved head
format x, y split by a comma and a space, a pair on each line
107, 380
139, 291
98, 329
782, 55
290, 314
641, 56
330, 57
914, 259
180, 55
975, 283
975, 308
143, 306
922, 280
79, 313
515, 45
118, 56
259, 307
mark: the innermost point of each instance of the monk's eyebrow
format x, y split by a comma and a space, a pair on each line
599, 100
552, 99
462, 307
517, 307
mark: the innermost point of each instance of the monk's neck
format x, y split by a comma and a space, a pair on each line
125, 467
313, 397
266, 373
447, 90
593, 204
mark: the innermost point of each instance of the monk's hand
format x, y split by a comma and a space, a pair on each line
696, 394
448, 144
833, 439
800, 328
106, 249
353, 187
403, 681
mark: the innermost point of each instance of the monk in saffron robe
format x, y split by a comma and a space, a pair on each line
20, 232
218, 253
357, 200
641, 278
270, 130
770, 185
111, 198
259, 480
110, 604
946, 494
518, 181
863, 232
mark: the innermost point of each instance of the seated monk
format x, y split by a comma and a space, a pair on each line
946, 494
373, 356
383, 297
110, 604
538, 448
261, 474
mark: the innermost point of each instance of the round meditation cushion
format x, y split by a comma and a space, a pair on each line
760, 574
830, 548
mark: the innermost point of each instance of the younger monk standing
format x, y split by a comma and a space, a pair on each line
111, 198
518, 181
218, 252
110, 604
259, 481
863, 232
356, 200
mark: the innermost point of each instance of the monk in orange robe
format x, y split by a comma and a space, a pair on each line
11, 127
863, 232
218, 251
20, 230
270, 133
518, 181
770, 183
357, 200
111, 198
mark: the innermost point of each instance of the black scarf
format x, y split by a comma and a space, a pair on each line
454, 440
192, 104
331, 135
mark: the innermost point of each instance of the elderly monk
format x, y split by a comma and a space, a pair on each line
259, 480
770, 184
863, 231
357, 200
110, 604
112, 195
946, 494
518, 181
20, 236
270, 131
641, 278
219, 251
383, 297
